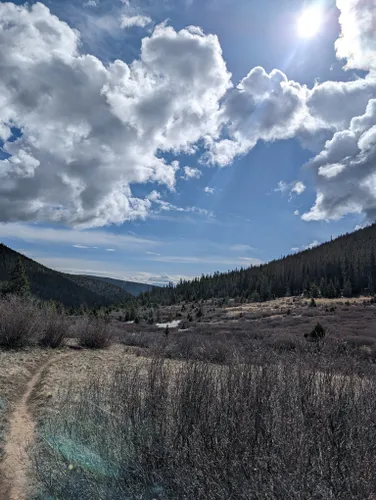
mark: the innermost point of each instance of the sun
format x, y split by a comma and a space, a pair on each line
309, 22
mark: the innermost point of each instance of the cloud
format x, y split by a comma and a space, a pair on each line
263, 106
91, 3
296, 212
161, 279
191, 173
334, 104
306, 247
81, 246
241, 248
90, 131
131, 21
110, 250
345, 171
153, 253
357, 43
165, 206
209, 190
295, 187
211, 260
33, 233
298, 188
282, 187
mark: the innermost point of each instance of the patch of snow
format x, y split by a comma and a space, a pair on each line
171, 324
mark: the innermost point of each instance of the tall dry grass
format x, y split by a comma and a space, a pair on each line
194, 430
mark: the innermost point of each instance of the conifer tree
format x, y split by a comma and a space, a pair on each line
18, 283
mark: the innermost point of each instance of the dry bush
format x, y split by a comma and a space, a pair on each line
55, 328
212, 432
285, 343
139, 339
359, 341
94, 332
21, 322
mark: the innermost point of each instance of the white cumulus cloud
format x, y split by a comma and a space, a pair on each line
357, 43
131, 21
298, 188
89, 131
191, 173
346, 171
294, 188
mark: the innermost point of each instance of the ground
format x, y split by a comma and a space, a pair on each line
32, 380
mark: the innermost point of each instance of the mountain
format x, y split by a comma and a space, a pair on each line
344, 266
115, 294
129, 286
70, 290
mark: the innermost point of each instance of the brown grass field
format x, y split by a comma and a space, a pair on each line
66, 413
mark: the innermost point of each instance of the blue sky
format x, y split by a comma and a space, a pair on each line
135, 148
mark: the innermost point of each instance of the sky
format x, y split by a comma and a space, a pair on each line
158, 141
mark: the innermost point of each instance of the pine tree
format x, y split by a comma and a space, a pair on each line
314, 290
18, 283
370, 287
347, 289
331, 290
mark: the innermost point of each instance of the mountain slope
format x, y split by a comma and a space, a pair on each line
345, 266
129, 286
114, 293
47, 284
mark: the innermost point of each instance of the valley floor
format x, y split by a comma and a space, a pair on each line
35, 382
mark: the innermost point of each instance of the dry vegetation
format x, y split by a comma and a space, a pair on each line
235, 403
218, 332
150, 430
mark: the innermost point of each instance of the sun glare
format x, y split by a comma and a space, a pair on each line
310, 22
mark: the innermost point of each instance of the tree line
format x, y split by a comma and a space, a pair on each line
345, 266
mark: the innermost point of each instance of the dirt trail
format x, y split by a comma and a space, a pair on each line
16, 465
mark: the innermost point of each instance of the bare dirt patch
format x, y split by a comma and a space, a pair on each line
15, 464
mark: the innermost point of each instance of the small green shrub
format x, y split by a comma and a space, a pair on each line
318, 333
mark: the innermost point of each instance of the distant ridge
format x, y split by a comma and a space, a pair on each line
70, 290
129, 286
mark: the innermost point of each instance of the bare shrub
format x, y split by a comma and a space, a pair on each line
20, 322
55, 328
357, 342
138, 339
94, 332
284, 344
204, 431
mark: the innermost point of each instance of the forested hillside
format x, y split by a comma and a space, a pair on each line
345, 266
129, 286
115, 294
47, 284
